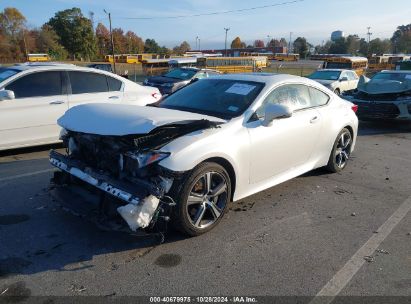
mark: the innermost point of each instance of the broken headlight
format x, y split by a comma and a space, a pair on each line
144, 159
63, 133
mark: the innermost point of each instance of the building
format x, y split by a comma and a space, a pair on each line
336, 35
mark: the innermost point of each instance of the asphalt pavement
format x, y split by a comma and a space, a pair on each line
346, 234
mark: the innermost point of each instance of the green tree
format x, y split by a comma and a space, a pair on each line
401, 39
353, 44
301, 46
380, 47
75, 33
338, 47
151, 46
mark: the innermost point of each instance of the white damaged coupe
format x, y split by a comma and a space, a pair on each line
185, 158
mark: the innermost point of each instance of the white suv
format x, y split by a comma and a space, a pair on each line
34, 96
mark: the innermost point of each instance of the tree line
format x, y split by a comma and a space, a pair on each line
352, 44
70, 35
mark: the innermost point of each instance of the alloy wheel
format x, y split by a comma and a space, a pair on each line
207, 200
342, 151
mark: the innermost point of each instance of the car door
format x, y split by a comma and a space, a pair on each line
90, 87
344, 82
31, 118
289, 142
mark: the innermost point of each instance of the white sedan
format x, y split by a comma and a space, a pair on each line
34, 96
217, 140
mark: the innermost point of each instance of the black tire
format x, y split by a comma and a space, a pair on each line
185, 213
340, 151
337, 92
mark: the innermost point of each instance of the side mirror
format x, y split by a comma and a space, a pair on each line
275, 111
343, 79
6, 95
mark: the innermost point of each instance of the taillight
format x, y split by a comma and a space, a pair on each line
354, 107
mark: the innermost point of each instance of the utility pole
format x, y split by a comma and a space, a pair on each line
226, 30
112, 42
197, 43
289, 43
369, 39
268, 40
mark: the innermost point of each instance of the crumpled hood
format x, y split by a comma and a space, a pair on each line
383, 86
120, 120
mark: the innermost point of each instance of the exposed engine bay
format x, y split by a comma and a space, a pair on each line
125, 169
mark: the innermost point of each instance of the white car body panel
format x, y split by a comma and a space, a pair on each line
260, 157
33, 121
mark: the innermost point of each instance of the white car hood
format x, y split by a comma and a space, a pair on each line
120, 120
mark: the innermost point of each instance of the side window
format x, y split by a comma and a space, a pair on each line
114, 84
318, 98
39, 84
295, 96
87, 82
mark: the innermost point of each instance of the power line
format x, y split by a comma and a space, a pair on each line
215, 13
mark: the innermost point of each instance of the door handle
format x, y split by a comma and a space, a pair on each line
314, 119
57, 102
113, 97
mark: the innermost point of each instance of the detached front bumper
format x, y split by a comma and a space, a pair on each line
83, 191
375, 110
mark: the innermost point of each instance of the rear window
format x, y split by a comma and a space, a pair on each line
38, 84
87, 82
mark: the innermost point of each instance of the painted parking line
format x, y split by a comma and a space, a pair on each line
327, 294
9, 178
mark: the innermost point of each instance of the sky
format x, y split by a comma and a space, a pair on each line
313, 19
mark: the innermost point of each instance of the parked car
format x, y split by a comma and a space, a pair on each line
178, 78
337, 80
387, 95
34, 96
220, 139
101, 66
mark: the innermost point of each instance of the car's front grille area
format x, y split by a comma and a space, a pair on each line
373, 110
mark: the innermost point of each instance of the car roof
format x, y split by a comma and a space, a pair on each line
48, 66
335, 70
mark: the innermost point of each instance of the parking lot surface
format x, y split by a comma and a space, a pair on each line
293, 239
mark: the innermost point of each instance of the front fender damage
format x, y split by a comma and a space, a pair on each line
127, 189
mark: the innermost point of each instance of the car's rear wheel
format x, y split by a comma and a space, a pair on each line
341, 151
202, 199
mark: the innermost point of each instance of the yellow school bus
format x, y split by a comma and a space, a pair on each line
233, 64
155, 66
357, 64
286, 57
128, 58
38, 57
109, 58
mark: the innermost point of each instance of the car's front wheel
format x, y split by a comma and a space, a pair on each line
340, 152
202, 198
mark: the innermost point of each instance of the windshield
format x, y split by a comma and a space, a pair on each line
325, 75
221, 98
182, 74
7, 73
393, 76
338, 65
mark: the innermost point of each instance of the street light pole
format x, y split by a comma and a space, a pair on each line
226, 30
289, 43
112, 42
199, 44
